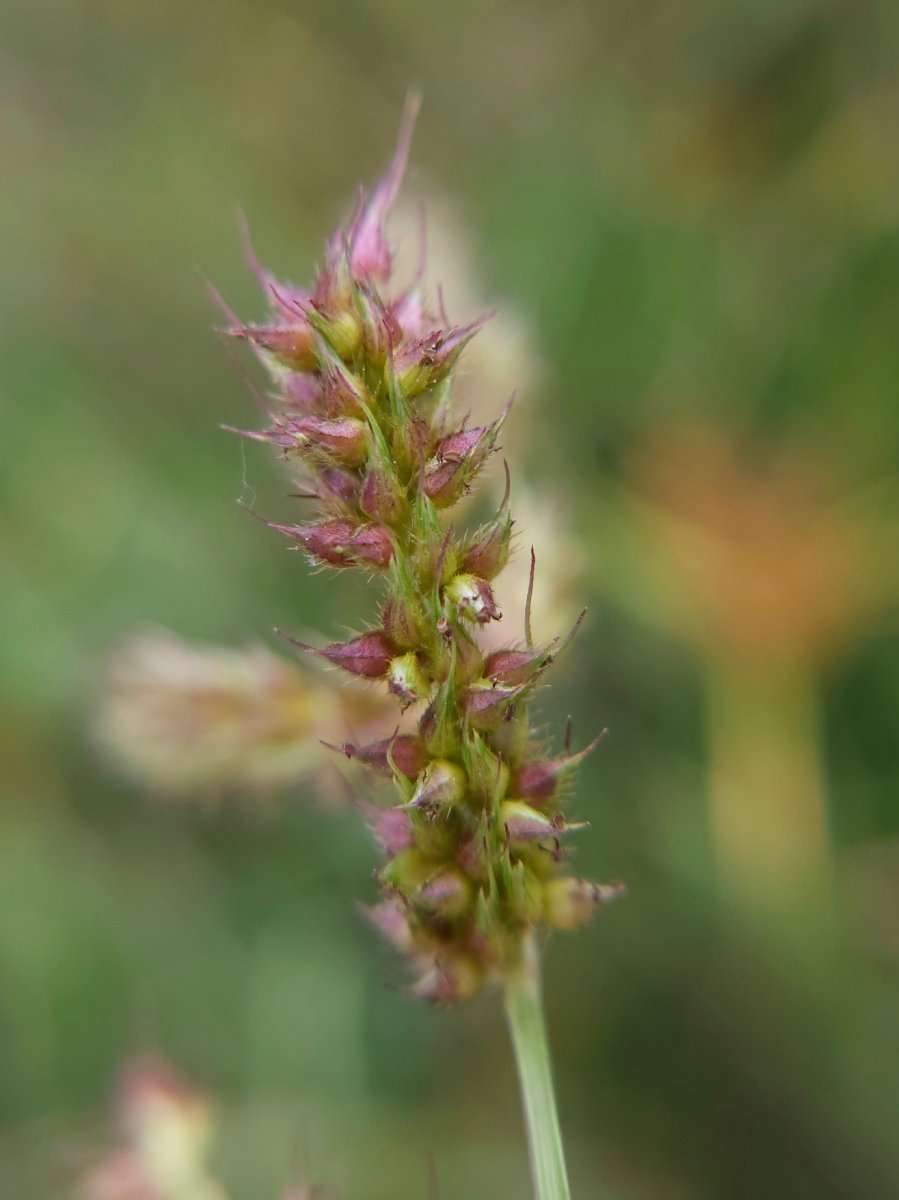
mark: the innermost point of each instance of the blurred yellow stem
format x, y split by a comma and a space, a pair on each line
767, 796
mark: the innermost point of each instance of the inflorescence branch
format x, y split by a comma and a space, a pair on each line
362, 409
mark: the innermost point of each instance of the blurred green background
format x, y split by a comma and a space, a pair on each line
695, 206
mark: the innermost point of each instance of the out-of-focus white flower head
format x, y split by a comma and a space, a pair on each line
186, 718
167, 1127
561, 567
500, 361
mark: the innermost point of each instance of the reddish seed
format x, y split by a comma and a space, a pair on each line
368, 656
342, 543
407, 751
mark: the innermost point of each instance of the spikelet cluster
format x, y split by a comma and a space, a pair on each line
362, 409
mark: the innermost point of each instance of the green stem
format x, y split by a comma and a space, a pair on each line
524, 1012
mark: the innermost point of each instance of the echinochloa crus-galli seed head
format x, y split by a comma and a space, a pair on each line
474, 841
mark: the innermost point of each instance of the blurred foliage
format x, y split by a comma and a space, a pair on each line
695, 205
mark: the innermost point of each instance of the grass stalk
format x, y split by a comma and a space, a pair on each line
527, 1027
